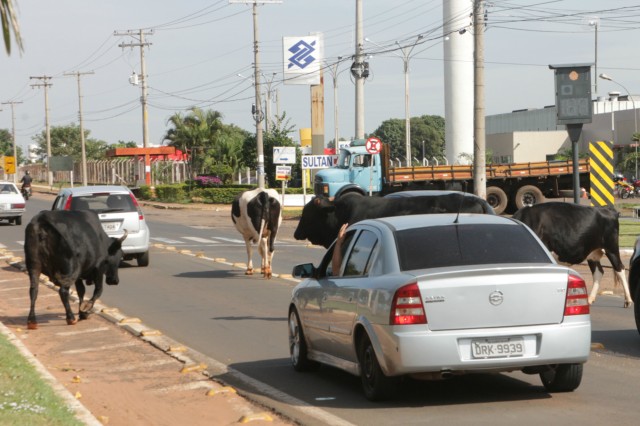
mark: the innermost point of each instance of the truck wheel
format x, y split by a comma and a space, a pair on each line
497, 199
528, 195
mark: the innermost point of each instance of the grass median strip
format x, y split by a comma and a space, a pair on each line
25, 398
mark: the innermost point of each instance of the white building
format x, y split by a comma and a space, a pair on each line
532, 134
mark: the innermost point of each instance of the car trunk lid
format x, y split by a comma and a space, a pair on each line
493, 297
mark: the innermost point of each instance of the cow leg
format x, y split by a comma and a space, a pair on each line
249, 270
597, 272
64, 296
620, 277
34, 281
85, 309
265, 256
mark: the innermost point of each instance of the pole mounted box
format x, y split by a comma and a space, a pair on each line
573, 93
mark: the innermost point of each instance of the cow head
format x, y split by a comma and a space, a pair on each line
114, 256
318, 222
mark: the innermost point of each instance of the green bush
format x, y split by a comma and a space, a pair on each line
177, 193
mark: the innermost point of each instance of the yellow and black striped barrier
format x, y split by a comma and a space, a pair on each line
601, 175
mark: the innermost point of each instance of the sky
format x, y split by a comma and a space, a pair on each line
198, 48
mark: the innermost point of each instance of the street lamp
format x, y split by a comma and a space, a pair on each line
595, 23
635, 114
406, 55
334, 74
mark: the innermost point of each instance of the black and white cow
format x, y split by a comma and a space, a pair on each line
69, 247
574, 233
257, 216
322, 217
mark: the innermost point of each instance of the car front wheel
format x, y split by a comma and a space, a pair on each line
562, 377
297, 345
376, 386
143, 259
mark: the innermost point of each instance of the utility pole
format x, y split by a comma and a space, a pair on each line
46, 85
334, 75
139, 36
479, 145
360, 71
82, 143
13, 137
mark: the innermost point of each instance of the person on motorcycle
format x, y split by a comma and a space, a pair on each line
26, 181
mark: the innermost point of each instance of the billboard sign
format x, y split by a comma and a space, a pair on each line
284, 155
302, 58
319, 161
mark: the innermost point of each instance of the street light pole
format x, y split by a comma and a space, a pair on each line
595, 23
406, 55
334, 74
635, 114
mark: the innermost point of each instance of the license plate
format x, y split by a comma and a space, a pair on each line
503, 348
110, 226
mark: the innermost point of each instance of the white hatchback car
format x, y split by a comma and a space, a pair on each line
117, 209
433, 296
12, 204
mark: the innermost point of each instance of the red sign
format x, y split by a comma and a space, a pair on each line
373, 145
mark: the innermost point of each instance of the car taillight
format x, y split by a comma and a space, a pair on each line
407, 307
135, 203
67, 205
18, 206
577, 302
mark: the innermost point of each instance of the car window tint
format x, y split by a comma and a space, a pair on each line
103, 203
360, 254
474, 244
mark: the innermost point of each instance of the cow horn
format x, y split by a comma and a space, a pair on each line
124, 236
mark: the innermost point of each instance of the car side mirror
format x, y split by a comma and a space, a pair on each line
305, 270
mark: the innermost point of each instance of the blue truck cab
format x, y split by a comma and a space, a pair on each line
355, 171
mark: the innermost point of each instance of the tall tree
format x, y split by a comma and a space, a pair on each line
65, 140
6, 146
426, 128
278, 135
215, 148
9, 24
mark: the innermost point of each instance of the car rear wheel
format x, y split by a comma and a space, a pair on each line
376, 386
18, 220
298, 345
143, 259
562, 377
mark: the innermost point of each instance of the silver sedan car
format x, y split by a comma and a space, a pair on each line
432, 296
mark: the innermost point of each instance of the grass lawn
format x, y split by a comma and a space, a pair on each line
25, 398
629, 231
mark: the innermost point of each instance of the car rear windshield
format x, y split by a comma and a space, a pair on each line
103, 203
475, 244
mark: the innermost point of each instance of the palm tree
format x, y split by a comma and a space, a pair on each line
195, 133
9, 23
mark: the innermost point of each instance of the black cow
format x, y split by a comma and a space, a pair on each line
574, 233
322, 217
69, 247
257, 216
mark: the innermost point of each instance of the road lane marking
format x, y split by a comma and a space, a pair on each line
229, 240
166, 240
201, 240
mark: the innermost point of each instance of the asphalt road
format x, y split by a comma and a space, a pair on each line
240, 321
